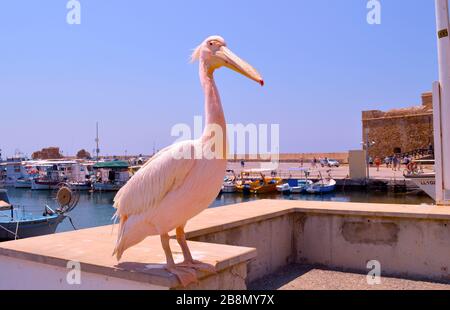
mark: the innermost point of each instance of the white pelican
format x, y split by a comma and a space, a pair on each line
171, 189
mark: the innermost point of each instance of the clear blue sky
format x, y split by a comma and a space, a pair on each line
127, 66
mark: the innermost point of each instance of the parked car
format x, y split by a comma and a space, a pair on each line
329, 163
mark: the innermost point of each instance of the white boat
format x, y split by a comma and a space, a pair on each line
426, 181
80, 186
284, 188
229, 187
229, 183
111, 175
44, 184
293, 185
13, 170
321, 187
299, 188
23, 183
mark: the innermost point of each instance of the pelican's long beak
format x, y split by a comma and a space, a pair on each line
237, 64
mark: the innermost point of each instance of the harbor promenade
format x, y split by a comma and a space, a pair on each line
338, 173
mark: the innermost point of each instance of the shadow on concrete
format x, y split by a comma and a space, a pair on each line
281, 277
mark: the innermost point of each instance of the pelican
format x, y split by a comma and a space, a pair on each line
171, 189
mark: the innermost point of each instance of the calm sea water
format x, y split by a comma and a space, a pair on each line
95, 209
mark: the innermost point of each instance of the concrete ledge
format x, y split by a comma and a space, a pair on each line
92, 248
228, 217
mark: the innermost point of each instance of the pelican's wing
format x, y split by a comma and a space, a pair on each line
164, 172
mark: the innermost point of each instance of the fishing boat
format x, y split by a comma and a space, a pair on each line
80, 176
51, 173
15, 223
29, 172
81, 186
45, 183
13, 170
254, 181
229, 183
322, 186
23, 183
110, 175
294, 186
425, 180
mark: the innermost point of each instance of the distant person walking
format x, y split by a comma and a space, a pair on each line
242, 164
395, 163
378, 163
314, 162
302, 161
387, 161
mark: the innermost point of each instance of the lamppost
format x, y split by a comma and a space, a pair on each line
367, 144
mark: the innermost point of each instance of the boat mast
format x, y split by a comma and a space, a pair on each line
97, 150
441, 106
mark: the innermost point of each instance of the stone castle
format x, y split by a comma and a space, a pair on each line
401, 130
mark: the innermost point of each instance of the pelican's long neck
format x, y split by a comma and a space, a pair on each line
214, 115
213, 107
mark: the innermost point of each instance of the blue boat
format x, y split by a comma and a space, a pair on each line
15, 224
295, 186
322, 187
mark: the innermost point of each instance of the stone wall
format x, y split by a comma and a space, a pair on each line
400, 130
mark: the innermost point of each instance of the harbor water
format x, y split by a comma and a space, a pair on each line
95, 209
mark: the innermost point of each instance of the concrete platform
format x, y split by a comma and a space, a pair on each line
42, 263
306, 277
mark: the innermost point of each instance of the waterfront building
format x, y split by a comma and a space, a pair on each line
400, 130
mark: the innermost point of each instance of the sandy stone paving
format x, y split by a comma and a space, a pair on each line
301, 277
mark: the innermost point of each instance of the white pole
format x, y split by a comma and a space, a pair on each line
439, 191
442, 141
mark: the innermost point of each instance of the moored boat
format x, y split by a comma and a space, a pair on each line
254, 181
295, 186
44, 184
15, 223
81, 186
426, 181
298, 187
23, 183
110, 175
322, 186
229, 183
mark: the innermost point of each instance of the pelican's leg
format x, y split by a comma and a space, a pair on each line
185, 275
188, 260
166, 247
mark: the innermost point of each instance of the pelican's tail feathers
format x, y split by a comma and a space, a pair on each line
120, 246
